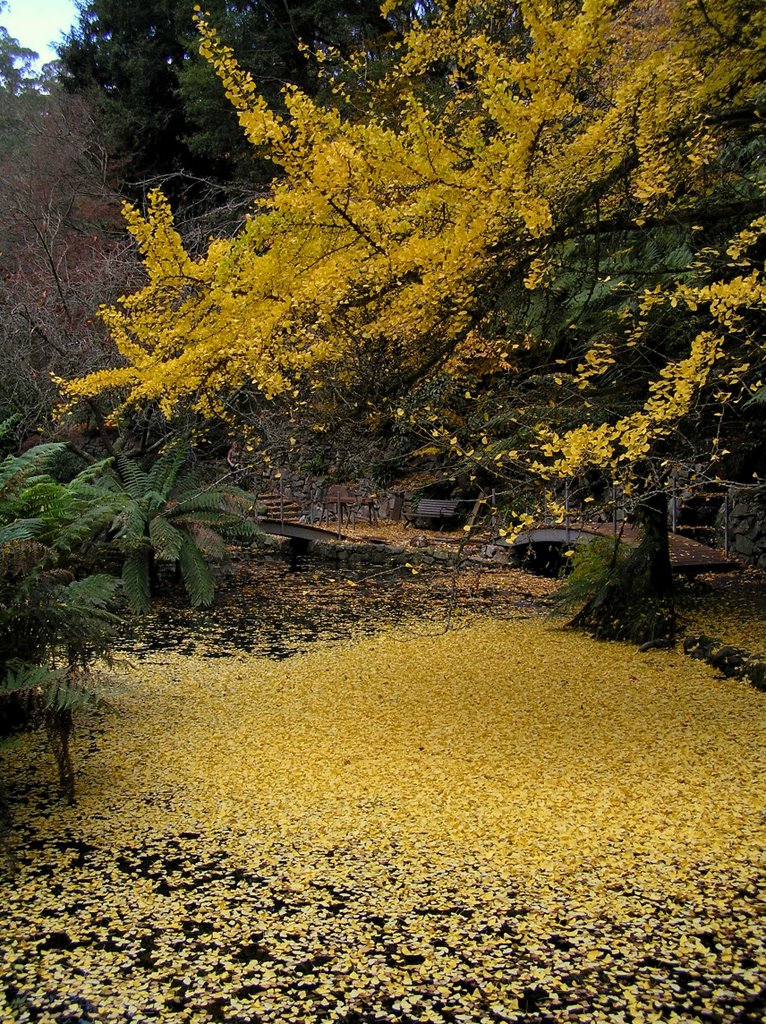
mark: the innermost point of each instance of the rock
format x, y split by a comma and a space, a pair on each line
743, 545
728, 660
742, 511
654, 645
755, 671
700, 646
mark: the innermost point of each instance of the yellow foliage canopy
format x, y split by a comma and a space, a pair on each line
391, 234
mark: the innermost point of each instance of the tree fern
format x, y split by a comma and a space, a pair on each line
130, 525
165, 538
207, 500
93, 519
133, 479
55, 619
171, 514
93, 594
208, 541
165, 471
15, 470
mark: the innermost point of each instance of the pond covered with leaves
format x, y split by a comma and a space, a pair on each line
277, 608
497, 822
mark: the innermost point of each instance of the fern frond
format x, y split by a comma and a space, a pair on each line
15, 470
165, 471
130, 524
135, 580
99, 477
20, 529
93, 593
165, 539
20, 677
243, 529
198, 579
21, 556
204, 517
91, 521
132, 477
209, 541
209, 499
238, 501
757, 398
154, 503
66, 694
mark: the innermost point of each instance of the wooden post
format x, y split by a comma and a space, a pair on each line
566, 508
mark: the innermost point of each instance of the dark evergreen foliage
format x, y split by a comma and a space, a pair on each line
163, 107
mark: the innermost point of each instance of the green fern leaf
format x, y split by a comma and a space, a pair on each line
197, 577
15, 470
130, 524
21, 529
165, 539
132, 477
92, 593
20, 676
135, 579
165, 471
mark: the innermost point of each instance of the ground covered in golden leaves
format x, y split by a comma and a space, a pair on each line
503, 822
731, 607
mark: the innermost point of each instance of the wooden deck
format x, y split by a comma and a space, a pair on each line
687, 557
692, 558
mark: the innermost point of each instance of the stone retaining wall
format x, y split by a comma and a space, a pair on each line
746, 527
365, 553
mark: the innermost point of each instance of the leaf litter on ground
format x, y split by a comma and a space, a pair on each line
501, 822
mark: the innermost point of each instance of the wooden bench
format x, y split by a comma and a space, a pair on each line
436, 510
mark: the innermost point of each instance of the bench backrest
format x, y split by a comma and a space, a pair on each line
436, 507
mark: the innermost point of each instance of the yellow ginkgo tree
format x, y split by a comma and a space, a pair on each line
507, 143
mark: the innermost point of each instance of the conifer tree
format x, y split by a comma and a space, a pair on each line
164, 112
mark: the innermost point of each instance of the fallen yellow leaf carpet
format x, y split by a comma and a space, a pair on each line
504, 822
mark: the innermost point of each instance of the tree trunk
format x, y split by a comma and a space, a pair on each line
652, 517
59, 725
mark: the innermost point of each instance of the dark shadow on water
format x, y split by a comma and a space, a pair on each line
277, 608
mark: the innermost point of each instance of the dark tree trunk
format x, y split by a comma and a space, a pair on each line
652, 517
59, 725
